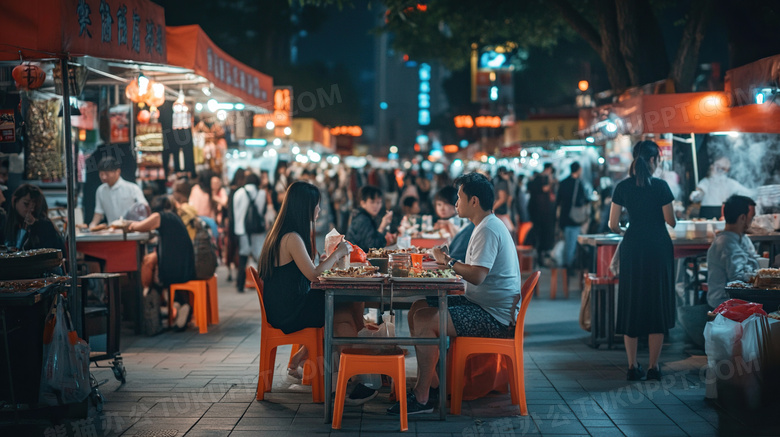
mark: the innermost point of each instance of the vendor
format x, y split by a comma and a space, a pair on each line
28, 225
714, 189
116, 196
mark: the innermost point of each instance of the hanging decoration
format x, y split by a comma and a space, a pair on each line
28, 76
144, 116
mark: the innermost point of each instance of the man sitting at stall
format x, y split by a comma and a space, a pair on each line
487, 309
363, 231
732, 256
116, 195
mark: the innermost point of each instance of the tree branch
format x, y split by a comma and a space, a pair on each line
579, 24
610, 52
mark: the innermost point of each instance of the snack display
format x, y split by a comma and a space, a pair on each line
739, 284
29, 284
29, 263
767, 278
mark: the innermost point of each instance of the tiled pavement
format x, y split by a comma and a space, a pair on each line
204, 385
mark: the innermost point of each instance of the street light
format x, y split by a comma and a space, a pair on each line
287, 130
270, 125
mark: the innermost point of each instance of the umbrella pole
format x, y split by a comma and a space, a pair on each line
695, 156
74, 297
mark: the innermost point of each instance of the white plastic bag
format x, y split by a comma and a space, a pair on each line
65, 370
722, 340
332, 240
386, 329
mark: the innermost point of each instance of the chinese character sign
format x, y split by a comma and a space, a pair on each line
100, 28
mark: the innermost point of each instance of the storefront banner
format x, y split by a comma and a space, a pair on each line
190, 47
109, 29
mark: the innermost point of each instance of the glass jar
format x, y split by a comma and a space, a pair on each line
399, 264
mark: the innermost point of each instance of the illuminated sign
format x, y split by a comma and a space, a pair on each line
351, 131
282, 106
424, 97
451, 148
466, 121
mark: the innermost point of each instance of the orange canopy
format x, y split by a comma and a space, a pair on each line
190, 47
700, 113
109, 29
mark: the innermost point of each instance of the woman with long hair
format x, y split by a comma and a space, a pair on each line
646, 302
208, 197
27, 225
287, 268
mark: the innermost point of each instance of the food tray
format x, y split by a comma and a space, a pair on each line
413, 279
351, 279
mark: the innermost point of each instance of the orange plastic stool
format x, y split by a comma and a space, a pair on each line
213, 301
525, 256
199, 290
271, 338
367, 361
512, 348
554, 282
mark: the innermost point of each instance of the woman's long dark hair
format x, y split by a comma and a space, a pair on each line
295, 215
41, 212
641, 170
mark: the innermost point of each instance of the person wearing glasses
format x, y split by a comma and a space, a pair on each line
714, 189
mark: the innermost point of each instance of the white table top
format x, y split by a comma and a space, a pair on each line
113, 235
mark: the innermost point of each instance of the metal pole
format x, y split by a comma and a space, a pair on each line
74, 297
695, 156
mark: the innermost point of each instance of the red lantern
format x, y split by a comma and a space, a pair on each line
144, 116
28, 76
131, 91
157, 96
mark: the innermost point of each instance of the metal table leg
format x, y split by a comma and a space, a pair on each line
443, 354
328, 353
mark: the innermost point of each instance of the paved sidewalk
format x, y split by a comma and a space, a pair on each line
204, 385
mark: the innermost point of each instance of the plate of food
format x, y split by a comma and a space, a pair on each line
429, 275
354, 274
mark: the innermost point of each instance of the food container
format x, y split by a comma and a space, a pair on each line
379, 262
399, 264
680, 230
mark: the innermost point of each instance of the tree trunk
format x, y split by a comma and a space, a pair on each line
686, 60
641, 42
610, 45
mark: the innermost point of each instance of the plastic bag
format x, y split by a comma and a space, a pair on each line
65, 370
357, 255
738, 310
137, 212
370, 329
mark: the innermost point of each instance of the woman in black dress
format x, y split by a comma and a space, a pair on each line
646, 304
287, 268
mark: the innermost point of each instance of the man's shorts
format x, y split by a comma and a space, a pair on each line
471, 320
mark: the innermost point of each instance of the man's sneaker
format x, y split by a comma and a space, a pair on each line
654, 373
635, 373
412, 406
360, 395
433, 395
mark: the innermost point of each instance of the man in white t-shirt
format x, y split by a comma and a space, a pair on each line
116, 195
488, 307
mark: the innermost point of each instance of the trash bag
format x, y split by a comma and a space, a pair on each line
65, 370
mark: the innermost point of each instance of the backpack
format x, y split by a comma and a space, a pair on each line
205, 251
254, 222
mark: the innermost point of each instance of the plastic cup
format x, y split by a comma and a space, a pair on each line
417, 259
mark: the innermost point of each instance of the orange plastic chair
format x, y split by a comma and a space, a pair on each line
271, 338
367, 361
512, 348
554, 282
525, 254
205, 309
